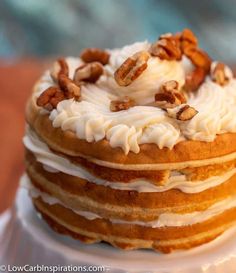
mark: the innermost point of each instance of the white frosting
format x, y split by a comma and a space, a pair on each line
165, 219
144, 88
217, 111
55, 163
92, 120
178, 220
35, 193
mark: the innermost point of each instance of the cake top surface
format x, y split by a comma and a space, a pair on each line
162, 93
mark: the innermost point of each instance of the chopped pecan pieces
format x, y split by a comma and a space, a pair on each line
89, 72
169, 96
218, 74
119, 105
50, 98
186, 113
60, 67
67, 89
194, 79
199, 58
188, 40
132, 68
169, 86
168, 99
70, 88
90, 55
188, 36
166, 48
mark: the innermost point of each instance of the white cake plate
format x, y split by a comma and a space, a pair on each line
26, 239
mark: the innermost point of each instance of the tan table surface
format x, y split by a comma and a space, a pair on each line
16, 81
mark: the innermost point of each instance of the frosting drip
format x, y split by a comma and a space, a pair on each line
92, 120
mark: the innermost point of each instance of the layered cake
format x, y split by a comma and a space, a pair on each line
135, 146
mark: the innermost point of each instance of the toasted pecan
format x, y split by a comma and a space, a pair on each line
199, 58
50, 98
169, 96
124, 104
166, 48
168, 99
89, 55
188, 35
188, 40
89, 72
186, 113
169, 86
218, 74
59, 67
69, 87
194, 79
131, 68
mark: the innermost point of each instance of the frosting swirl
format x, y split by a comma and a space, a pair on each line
92, 120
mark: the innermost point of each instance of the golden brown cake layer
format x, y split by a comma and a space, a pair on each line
128, 236
102, 153
79, 193
157, 177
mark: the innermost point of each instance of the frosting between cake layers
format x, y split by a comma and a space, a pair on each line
165, 219
92, 120
55, 163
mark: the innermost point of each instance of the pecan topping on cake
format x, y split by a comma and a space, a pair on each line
199, 58
186, 113
218, 74
50, 98
188, 40
166, 48
60, 67
169, 86
70, 88
67, 89
89, 72
132, 68
169, 96
194, 79
90, 55
119, 105
183, 113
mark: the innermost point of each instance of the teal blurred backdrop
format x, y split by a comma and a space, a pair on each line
63, 27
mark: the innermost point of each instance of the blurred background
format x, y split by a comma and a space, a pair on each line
34, 32
51, 27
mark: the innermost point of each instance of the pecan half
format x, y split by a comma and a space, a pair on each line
199, 58
70, 88
50, 98
186, 113
170, 85
89, 72
188, 40
89, 55
218, 74
169, 96
166, 48
119, 105
194, 79
59, 67
132, 68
